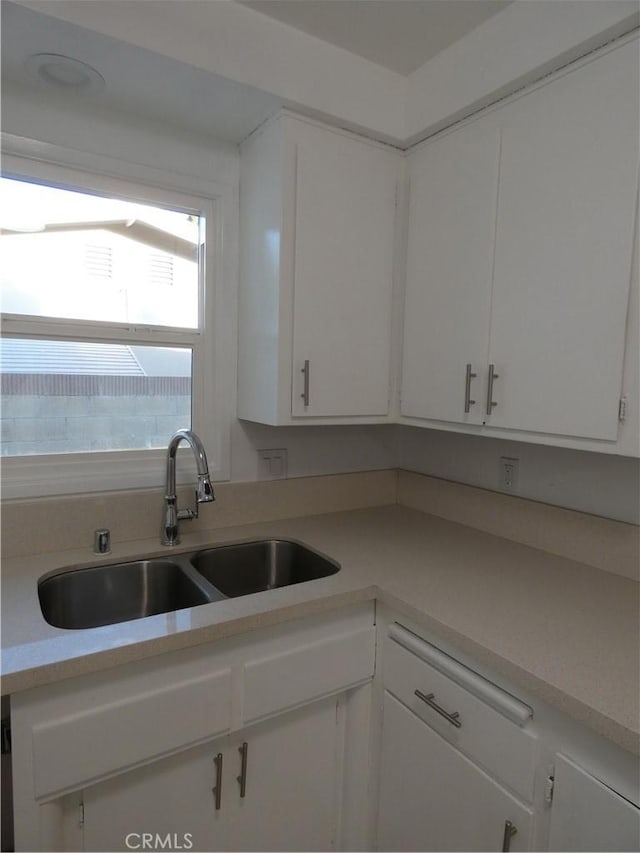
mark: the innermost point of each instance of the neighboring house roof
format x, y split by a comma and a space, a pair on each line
134, 229
69, 357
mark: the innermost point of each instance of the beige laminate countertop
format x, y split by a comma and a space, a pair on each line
567, 633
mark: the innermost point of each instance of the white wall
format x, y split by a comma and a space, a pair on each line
315, 450
590, 482
74, 123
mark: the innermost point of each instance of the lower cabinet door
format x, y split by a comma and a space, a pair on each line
172, 798
588, 815
433, 798
288, 772
293, 779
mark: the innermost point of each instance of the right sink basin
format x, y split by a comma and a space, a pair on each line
250, 567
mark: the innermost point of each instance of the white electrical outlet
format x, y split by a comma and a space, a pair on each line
272, 464
509, 473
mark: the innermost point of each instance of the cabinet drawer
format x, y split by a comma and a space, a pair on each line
307, 672
109, 733
484, 728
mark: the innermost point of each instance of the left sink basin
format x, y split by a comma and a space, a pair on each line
103, 595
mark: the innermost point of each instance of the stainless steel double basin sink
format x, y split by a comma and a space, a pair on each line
103, 595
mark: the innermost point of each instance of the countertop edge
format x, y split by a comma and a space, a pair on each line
51, 673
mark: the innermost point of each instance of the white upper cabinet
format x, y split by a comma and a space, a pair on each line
317, 232
453, 195
520, 249
519, 266
568, 183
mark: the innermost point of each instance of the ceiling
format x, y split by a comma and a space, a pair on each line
221, 67
400, 35
395, 34
138, 82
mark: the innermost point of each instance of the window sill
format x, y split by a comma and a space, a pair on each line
41, 476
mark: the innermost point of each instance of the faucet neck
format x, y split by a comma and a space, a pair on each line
196, 446
198, 452
204, 489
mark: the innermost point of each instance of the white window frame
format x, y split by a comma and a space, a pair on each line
73, 473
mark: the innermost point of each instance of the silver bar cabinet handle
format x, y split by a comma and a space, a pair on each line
453, 718
217, 791
492, 375
305, 392
468, 402
509, 831
242, 778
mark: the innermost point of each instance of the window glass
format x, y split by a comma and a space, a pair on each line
101, 306
72, 255
68, 396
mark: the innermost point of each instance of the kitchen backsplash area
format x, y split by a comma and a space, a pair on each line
612, 546
64, 523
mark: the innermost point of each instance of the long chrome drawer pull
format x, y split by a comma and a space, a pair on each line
217, 791
468, 402
509, 831
490, 401
242, 778
453, 718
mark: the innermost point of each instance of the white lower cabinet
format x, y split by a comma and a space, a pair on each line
172, 797
292, 779
270, 787
434, 798
282, 739
128, 758
587, 814
457, 759
468, 761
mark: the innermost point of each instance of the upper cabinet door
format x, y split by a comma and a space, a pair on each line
568, 183
453, 196
344, 240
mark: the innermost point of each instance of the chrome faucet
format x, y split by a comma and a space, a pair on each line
170, 534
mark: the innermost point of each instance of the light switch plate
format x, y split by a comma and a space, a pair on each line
272, 464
